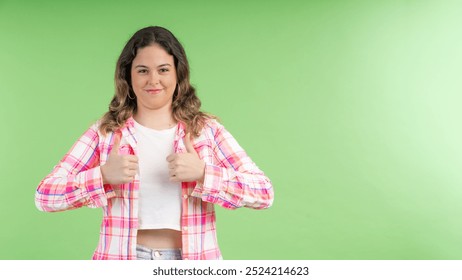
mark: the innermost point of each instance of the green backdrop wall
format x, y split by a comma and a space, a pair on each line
352, 108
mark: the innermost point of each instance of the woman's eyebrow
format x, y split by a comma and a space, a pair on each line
165, 64
144, 66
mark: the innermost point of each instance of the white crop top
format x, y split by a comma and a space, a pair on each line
159, 199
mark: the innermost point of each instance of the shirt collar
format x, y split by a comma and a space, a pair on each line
128, 131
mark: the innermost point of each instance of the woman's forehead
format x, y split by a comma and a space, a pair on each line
153, 56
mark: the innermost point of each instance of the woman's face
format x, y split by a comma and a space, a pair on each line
154, 78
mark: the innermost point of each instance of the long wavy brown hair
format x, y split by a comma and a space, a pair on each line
185, 104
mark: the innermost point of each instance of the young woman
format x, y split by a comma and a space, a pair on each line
155, 163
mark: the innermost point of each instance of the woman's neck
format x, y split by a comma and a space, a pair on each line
155, 119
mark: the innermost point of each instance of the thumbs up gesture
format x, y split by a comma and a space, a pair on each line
119, 169
186, 167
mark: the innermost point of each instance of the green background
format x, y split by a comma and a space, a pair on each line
352, 108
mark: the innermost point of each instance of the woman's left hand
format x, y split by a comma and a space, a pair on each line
186, 167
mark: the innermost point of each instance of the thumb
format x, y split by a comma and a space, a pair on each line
189, 146
116, 145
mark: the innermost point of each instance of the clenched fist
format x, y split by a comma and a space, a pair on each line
119, 169
186, 167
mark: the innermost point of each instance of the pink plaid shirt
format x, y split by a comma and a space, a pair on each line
232, 180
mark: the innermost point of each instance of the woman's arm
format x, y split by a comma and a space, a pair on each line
76, 181
235, 181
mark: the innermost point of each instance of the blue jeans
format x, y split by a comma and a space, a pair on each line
145, 253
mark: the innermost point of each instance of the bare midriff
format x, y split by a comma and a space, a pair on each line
159, 238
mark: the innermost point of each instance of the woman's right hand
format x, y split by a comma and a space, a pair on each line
119, 169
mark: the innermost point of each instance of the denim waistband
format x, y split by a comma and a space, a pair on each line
145, 253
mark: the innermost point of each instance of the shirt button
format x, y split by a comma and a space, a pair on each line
185, 196
185, 259
157, 254
185, 228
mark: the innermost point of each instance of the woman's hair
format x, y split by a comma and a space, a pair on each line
185, 105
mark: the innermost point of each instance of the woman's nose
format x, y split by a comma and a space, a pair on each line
154, 79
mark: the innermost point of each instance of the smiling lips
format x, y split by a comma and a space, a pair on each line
153, 90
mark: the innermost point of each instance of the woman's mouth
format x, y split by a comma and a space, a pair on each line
153, 90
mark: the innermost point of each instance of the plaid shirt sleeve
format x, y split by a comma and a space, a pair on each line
234, 181
76, 181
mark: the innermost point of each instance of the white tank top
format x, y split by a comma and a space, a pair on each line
159, 199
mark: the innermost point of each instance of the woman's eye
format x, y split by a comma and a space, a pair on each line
142, 71
163, 70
